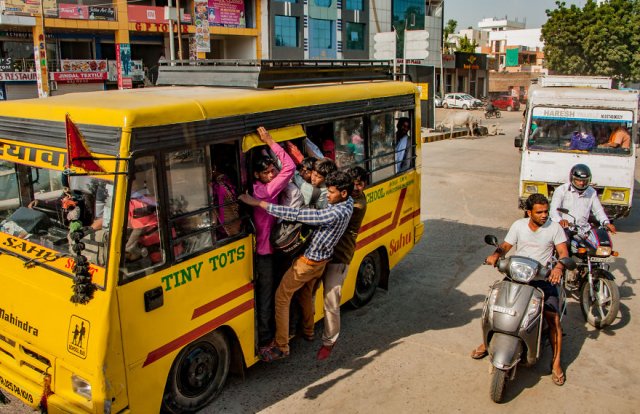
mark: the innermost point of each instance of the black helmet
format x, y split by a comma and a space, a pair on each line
580, 172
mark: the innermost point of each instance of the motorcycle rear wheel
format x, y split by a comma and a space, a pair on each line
498, 114
498, 385
601, 310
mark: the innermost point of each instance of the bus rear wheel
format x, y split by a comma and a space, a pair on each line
367, 279
197, 375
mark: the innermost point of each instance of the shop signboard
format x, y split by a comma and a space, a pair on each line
227, 13
79, 77
18, 76
6, 65
28, 7
79, 12
203, 43
83, 65
123, 55
150, 14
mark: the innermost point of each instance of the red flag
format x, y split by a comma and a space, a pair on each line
78, 154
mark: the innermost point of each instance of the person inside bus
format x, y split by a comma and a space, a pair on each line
619, 138
403, 144
302, 178
142, 223
267, 186
331, 222
338, 267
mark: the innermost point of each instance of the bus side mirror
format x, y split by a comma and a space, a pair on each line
517, 141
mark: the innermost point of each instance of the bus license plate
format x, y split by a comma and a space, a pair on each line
602, 259
502, 309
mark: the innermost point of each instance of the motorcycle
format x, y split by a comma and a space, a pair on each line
495, 112
512, 317
592, 281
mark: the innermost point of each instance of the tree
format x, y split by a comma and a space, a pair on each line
467, 46
448, 30
597, 40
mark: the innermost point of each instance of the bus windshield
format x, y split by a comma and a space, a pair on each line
31, 208
597, 131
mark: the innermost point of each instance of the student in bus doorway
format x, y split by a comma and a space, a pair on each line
303, 274
338, 267
267, 185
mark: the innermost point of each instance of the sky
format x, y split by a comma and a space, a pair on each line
470, 12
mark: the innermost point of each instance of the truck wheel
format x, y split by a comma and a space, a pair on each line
197, 374
367, 280
498, 382
602, 309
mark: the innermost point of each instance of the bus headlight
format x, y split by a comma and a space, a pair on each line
81, 386
617, 195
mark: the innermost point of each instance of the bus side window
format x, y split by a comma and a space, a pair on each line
143, 248
349, 141
382, 148
223, 188
189, 219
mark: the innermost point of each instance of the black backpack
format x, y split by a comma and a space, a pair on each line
291, 237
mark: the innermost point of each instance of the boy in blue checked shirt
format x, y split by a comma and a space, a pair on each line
330, 223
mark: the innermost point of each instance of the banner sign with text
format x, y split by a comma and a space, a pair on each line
203, 43
79, 12
227, 13
18, 77
83, 65
28, 7
79, 77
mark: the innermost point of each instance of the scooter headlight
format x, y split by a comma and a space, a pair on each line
522, 269
533, 310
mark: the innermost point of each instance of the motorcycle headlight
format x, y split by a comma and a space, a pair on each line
533, 310
603, 251
522, 269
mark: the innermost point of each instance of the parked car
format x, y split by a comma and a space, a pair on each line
461, 100
437, 99
507, 103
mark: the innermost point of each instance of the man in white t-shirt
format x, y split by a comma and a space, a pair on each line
536, 237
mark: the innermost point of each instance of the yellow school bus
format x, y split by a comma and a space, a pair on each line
170, 310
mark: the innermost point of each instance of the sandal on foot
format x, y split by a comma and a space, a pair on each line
558, 379
478, 354
272, 354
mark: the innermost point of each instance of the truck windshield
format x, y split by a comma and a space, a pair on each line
31, 208
596, 131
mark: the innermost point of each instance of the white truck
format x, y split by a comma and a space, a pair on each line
570, 120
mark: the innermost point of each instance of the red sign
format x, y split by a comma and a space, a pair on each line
149, 14
73, 11
159, 27
18, 76
79, 77
127, 83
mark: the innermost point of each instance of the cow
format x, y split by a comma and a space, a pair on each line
462, 119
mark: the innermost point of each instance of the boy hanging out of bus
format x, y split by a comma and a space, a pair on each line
268, 184
302, 178
338, 267
321, 170
331, 223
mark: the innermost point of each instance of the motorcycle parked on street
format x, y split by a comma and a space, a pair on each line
592, 281
513, 317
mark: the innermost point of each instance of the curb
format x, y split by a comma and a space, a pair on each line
442, 136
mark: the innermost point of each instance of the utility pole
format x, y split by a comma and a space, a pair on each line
172, 48
179, 31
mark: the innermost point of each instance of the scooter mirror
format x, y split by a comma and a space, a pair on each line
568, 263
491, 239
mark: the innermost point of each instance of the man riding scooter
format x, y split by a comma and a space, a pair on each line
536, 237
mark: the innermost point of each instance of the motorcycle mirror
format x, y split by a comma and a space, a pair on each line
491, 239
568, 263
563, 210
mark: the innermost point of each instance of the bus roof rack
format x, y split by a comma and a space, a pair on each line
270, 73
598, 82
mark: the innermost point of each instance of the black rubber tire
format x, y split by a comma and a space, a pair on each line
498, 385
509, 108
498, 114
367, 280
445, 105
487, 115
465, 107
197, 375
600, 316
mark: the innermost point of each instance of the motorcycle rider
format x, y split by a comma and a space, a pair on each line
536, 237
490, 109
580, 199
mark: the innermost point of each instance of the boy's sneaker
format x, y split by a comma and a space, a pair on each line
324, 352
272, 353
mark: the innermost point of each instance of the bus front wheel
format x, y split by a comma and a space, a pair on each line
198, 374
367, 279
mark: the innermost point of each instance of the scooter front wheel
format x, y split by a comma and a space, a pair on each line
601, 309
498, 384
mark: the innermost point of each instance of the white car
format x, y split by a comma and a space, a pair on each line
460, 100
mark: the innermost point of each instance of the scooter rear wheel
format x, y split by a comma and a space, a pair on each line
498, 383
